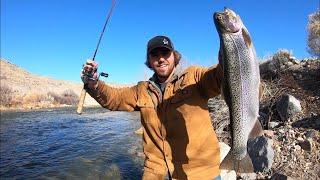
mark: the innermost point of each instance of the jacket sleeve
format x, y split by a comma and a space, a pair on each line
209, 80
115, 99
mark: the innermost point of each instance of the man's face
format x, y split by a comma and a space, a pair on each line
162, 62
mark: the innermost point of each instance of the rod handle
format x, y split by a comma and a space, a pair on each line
81, 101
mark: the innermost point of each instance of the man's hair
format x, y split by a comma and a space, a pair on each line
177, 57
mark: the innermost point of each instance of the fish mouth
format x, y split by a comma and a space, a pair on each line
228, 12
227, 21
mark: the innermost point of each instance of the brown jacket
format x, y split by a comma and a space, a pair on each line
178, 134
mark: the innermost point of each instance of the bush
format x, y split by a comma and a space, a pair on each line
272, 67
68, 97
5, 95
282, 55
34, 98
314, 34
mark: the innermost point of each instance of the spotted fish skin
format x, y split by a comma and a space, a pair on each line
240, 85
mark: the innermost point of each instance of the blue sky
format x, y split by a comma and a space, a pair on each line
54, 37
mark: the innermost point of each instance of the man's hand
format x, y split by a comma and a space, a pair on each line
89, 74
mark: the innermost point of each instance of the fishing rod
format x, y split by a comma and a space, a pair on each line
84, 92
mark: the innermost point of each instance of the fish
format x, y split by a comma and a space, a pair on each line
240, 87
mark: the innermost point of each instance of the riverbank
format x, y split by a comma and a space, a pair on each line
32, 108
290, 114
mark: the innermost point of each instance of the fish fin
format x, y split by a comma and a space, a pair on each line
257, 130
246, 37
227, 162
241, 166
262, 88
221, 90
244, 165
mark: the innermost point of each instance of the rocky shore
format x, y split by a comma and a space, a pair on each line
290, 114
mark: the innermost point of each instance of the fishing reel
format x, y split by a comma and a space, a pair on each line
90, 75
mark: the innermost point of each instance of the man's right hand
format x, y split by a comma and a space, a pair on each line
89, 74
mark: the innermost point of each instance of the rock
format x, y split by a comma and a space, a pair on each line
224, 149
289, 63
113, 172
269, 69
310, 134
261, 153
306, 145
273, 124
228, 174
263, 117
281, 131
294, 67
269, 133
299, 139
288, 106
139, 131
297, 148
248, 176
294, 60
278, 176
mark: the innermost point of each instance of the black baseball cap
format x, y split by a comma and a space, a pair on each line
159, 41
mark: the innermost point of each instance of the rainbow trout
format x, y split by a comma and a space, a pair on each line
240, 87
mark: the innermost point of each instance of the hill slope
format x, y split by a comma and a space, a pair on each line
21, 89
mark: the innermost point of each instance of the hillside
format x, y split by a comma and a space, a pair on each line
21, 89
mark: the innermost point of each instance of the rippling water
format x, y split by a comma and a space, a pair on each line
59, 144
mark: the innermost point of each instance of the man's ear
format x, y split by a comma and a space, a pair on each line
177, 57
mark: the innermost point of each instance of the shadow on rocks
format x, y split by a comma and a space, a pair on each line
312, 122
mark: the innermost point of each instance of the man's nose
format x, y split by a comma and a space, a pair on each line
161, 58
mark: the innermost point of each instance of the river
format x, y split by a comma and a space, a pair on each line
59, 144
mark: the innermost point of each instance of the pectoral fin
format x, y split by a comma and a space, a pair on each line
262, 88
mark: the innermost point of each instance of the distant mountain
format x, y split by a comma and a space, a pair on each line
19, 88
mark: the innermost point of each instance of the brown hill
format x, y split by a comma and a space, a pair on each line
21, 89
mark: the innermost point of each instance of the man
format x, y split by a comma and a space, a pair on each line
178, 137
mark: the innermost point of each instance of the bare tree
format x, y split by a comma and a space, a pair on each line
314, 34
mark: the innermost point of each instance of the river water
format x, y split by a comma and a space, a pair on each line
59, 144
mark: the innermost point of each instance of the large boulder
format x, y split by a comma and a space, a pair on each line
261, 153
288, 106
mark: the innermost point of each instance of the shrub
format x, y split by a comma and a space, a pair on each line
33, 98
282, 55
5, 95
314, 34
68, 97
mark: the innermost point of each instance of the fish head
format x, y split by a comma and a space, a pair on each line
227, 21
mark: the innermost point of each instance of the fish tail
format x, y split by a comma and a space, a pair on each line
241, 166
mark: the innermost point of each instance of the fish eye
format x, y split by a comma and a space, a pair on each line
219, 17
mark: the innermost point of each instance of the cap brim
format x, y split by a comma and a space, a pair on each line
151, 49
